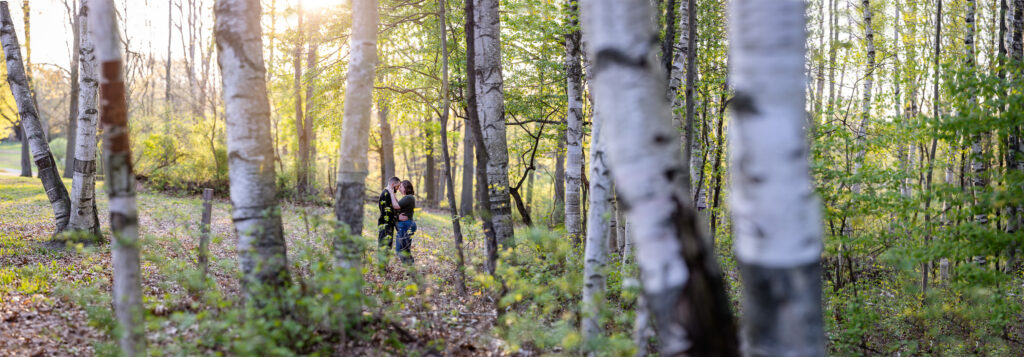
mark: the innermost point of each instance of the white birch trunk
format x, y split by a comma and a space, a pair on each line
261, 245
33, 129
680, 277
355, 131
978, 166
120, 180
862, 131
83, 181
574, 125
596, 248
491, 97
778, 249
679, 54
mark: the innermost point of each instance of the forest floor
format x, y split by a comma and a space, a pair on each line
56, 302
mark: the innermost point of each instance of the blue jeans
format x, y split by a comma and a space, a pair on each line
403, 245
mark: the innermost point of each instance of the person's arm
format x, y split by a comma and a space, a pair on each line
394, 201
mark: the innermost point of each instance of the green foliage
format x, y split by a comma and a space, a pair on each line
58, 147
539, 284
182, 157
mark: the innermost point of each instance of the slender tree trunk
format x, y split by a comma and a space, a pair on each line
466, 204
355, 130
387, 143
1014, 139
83, 183
690, 140
482, 155
167, 65
72, 129
460, 275
926, 266
668, 42
869, 39
574, 124
120, 180
309, 119
679, 67
26, 13
778, 250
529, 192
492, 116
430, 177
978, 163
820, 82
26, 153
833, 39
558, 201
620, 224
33, 130
596, 249
261, 245
681, 280
302, 151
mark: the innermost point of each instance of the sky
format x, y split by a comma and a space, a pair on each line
146, 27
52, 35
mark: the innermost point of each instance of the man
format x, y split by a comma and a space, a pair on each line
388, 215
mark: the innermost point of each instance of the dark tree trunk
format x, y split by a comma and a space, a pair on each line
460, 276
26, 156
474, 123
69, 151
430, 174
466, 206
309, 124
387, 144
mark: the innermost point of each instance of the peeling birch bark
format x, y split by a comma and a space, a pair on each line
261, 246
120, 180
574, 125
355, 131
596, 248
681, 280
83, 182
491, 100
778, 249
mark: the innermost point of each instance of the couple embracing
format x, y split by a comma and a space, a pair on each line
397, 214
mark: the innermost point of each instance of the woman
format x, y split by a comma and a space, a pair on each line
406, 225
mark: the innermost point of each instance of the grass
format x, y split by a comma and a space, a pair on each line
187, 315
10, 156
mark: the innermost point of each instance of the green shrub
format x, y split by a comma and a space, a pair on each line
59, 146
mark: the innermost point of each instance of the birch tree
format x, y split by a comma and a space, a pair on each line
680, 277
473, 121
83, 181
574, 123
120, 180
355, 129
32, 128
862, 131
490, 98
596, 248
778, 249
460, 276
261, 245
